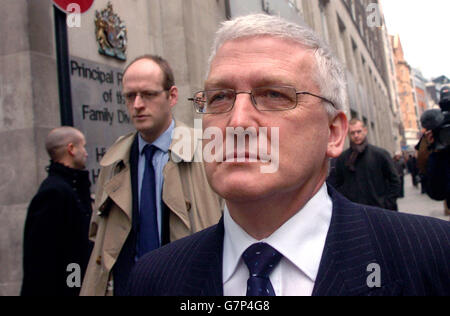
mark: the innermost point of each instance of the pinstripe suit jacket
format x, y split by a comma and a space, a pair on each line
412, 253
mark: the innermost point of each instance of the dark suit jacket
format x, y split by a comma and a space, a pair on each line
412, 253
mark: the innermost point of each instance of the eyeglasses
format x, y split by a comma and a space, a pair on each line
264, 99
146, 96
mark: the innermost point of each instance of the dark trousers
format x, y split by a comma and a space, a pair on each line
402, 187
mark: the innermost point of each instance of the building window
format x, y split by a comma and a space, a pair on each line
353, 9
324, 23
293, 5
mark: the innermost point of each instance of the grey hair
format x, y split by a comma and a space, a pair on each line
330, 75
59, 138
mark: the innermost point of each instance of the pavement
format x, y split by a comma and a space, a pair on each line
420, 204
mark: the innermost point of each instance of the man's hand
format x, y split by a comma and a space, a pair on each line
429, 137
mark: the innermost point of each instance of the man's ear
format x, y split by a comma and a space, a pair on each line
338, 133
173, 96
366, 130
70, 148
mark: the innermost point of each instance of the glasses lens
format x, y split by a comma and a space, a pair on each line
200, 102
129, 97
275, 98
214, 101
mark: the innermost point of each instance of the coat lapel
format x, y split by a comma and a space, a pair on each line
205, 276
118, 190
345, 267
119, 187
182, 150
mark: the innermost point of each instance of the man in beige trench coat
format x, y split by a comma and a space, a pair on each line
186, 203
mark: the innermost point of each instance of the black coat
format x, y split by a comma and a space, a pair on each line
375, 181
56, 233
438, 176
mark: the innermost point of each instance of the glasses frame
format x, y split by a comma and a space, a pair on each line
236, 93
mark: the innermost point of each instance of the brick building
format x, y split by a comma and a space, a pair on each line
406, 92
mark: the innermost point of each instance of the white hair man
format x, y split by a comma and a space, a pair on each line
287, 233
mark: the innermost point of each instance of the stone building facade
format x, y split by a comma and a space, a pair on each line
181, 31
356, 31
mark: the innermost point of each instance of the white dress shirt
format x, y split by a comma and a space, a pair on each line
300, 240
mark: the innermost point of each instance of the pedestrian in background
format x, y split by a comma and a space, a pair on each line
413, 169
57, 223
400, 167
150, 192
366, 174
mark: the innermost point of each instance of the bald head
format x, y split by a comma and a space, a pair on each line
58, 140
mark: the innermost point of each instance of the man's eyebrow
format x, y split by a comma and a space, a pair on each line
265, 81
217, 83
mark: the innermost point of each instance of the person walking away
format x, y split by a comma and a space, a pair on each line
56, 239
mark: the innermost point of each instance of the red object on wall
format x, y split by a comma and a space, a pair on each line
63, 4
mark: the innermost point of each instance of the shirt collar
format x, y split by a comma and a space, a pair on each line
300, 240
162, 142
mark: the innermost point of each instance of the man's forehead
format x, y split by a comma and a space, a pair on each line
265, 51
263, 44
143, 68
356, 127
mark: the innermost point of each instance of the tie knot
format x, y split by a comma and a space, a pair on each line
261, 259
149, 151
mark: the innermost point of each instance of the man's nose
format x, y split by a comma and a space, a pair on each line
138, 102
243, 110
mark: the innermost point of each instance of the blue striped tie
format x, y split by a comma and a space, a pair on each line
260, 259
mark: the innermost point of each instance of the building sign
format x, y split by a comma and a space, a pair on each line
99, 109
111, 33
64, 5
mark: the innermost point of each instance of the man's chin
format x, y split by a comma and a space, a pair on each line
241, 190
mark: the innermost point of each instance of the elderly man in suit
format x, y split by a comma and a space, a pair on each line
286, 232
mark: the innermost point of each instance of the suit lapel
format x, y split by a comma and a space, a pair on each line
349, 252
134, 162
205, 276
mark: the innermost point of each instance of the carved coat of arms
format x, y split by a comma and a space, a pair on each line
111, 33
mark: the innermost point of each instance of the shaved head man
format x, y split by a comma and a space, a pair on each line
67, 146
57, 224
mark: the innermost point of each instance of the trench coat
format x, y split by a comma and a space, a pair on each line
192, 204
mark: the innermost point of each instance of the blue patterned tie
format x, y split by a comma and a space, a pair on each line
260, 259
148, 238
